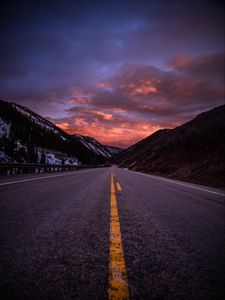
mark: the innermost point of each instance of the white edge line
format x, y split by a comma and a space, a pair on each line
178, 183
39, 178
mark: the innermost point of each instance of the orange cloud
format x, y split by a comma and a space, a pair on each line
106, 116
122, 134
145, 87
63, 125
141, 99
105, 85
80, 96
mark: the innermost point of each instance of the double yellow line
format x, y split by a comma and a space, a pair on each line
118, 286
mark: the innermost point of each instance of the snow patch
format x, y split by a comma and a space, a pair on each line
57, 158
5, 158
4, 128
95, 146
52, 160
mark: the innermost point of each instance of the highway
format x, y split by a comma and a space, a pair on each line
110, 233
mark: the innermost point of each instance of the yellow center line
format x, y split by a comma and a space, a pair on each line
119, 188
118, 286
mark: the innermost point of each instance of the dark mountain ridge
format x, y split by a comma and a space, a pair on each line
194, 151
24, 134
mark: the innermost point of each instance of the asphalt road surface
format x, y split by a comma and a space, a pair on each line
54, 236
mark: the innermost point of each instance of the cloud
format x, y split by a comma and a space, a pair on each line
108, 63
208, 67
57, 103
140, 99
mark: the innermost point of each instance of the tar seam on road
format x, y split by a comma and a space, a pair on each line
118, 285
119, 188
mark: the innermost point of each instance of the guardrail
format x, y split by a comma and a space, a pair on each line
21, 168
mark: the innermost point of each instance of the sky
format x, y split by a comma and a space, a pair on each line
114, 70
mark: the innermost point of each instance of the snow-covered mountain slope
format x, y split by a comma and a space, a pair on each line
37, 119
94, 146
114, 150
25, 134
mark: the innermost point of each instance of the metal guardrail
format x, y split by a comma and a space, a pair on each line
21, 168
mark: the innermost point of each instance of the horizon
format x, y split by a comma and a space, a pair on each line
115, 71
103, 143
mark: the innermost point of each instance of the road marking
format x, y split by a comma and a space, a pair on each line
118, 286
119, 188
178, 183
44, 177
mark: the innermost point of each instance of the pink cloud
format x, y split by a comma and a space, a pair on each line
57, 103
141, 99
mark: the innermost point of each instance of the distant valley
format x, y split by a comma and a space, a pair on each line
194, 151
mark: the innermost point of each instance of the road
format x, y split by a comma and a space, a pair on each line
57, 237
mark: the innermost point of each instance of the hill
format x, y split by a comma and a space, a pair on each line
27, 137
194, 151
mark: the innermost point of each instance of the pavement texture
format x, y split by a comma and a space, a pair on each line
54, 236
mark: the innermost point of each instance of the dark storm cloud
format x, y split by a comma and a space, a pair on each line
64, 38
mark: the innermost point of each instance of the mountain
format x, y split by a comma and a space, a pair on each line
27, 137
93, 145
114, 150
194, 151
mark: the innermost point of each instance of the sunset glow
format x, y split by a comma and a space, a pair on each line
114, 71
